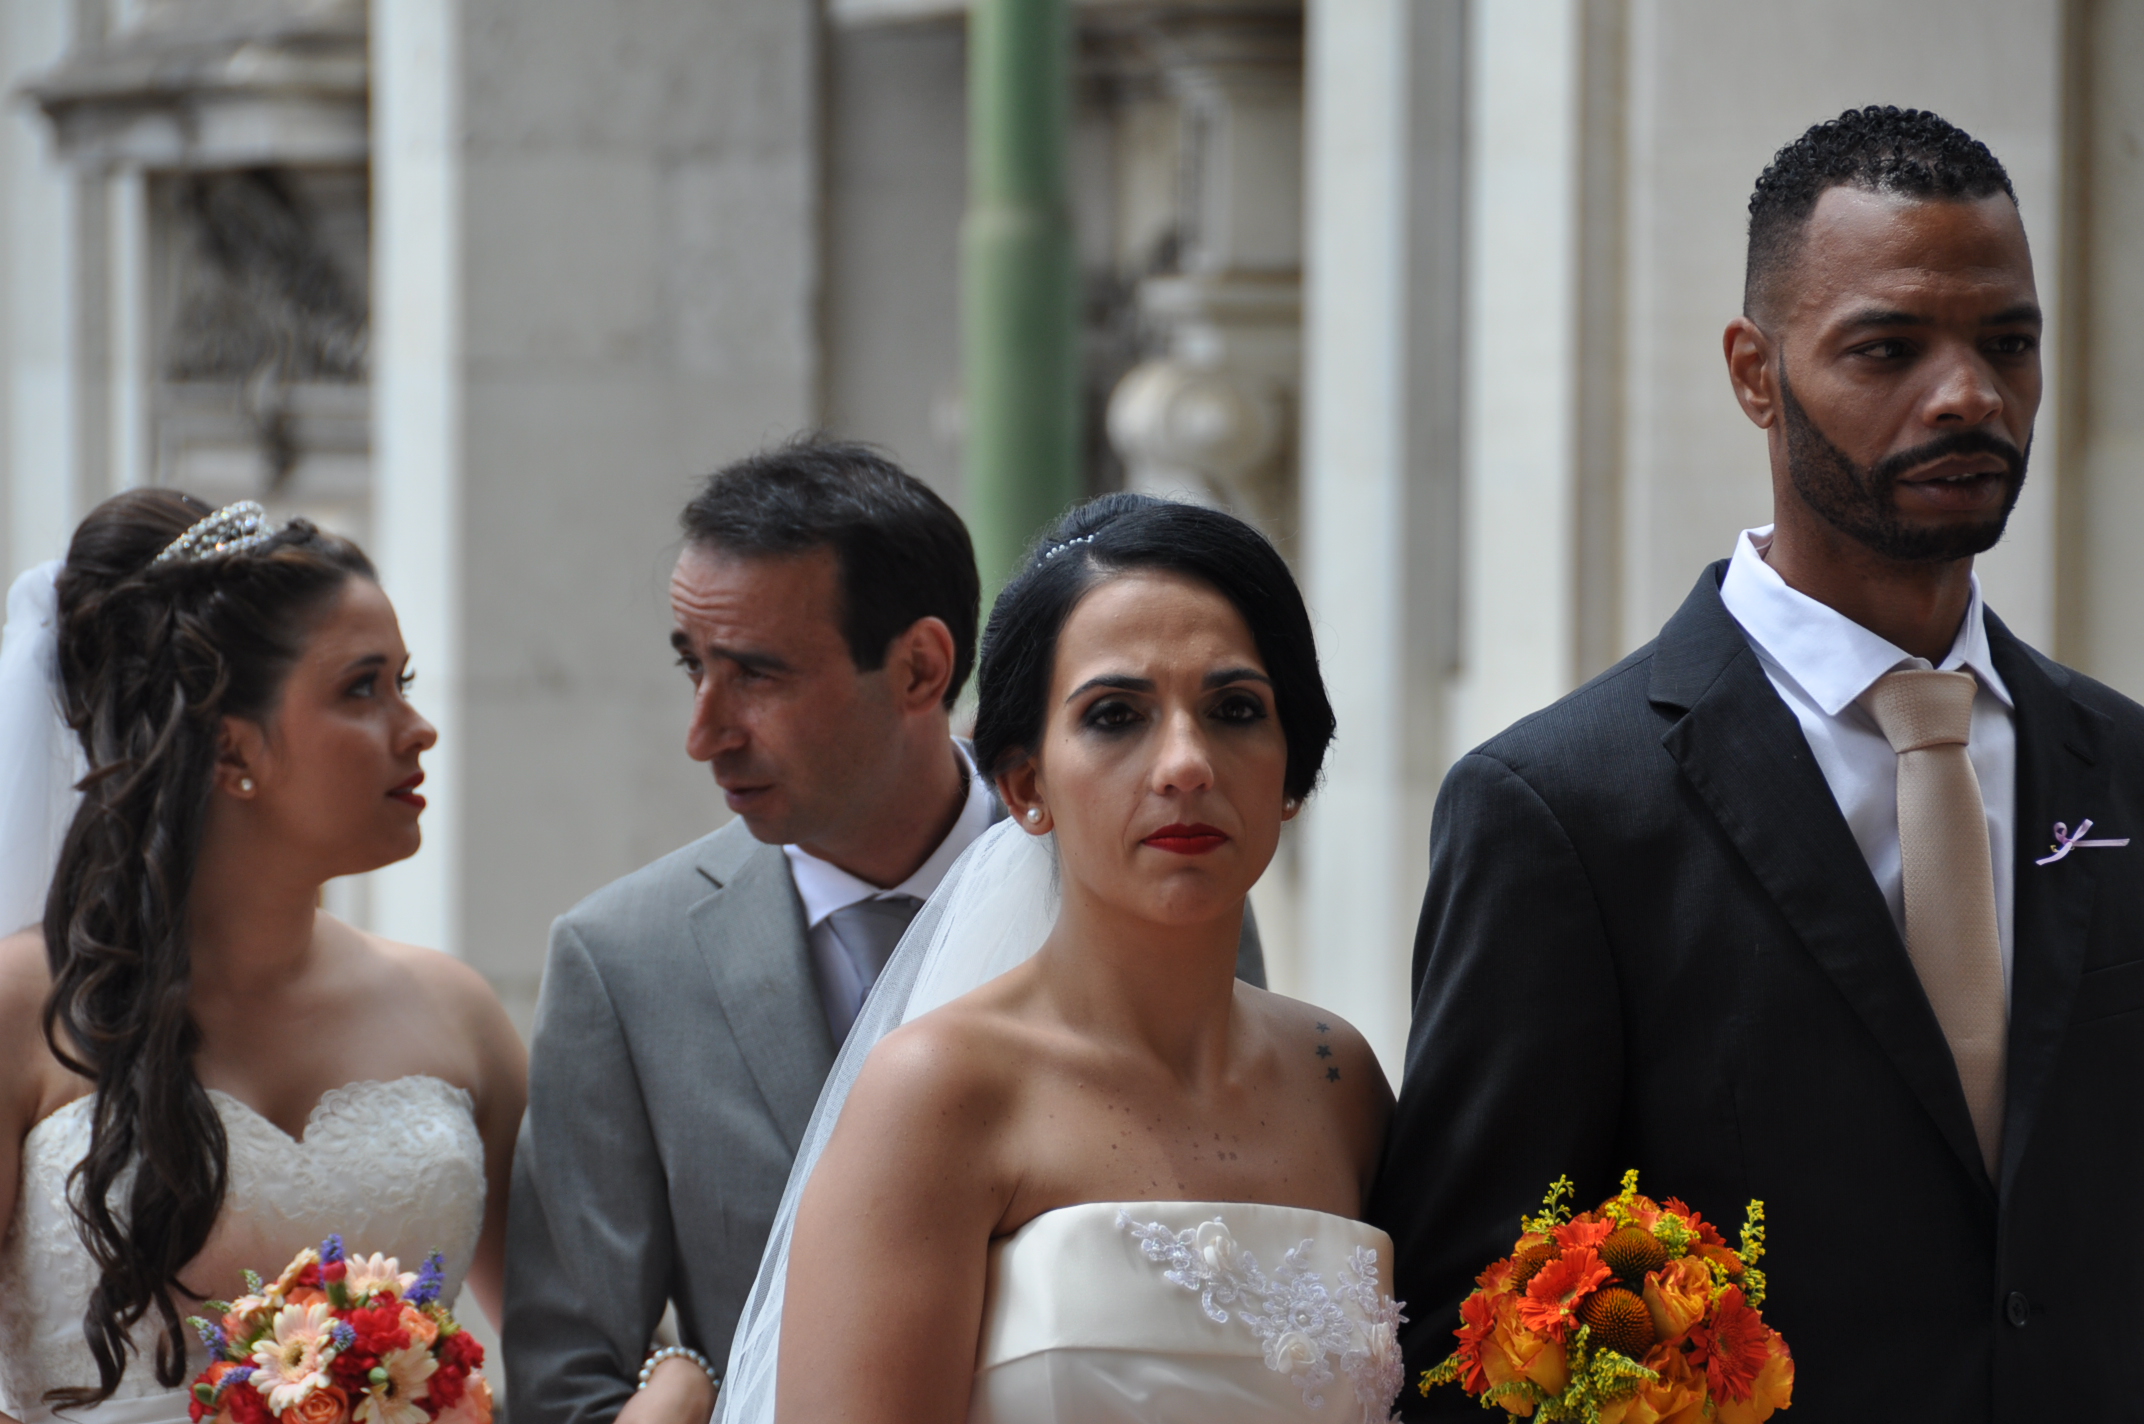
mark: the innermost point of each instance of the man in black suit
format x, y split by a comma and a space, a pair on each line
1775, 907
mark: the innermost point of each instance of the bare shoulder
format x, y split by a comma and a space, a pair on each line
465, 1006
25, 977
1332, 1053
445, 981
948, 1066
32, 1082
25, 980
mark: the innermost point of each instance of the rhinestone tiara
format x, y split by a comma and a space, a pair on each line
1055, 550
232, 529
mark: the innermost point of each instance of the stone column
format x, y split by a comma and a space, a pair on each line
1384, 90
1212, 414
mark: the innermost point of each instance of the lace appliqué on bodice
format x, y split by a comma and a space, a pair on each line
397, 1167
1302, 1325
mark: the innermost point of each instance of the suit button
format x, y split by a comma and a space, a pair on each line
2018, 1309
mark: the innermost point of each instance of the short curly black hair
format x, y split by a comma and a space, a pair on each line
1882, 149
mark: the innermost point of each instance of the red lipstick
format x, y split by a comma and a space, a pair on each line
407, 791
1194, 839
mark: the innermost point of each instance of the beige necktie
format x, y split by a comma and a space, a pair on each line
1951, 931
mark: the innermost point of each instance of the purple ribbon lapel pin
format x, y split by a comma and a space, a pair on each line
2067, 840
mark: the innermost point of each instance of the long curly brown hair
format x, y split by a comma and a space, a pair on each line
152, 658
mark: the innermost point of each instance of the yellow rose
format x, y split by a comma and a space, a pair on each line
1677, 1295
1513, 1352
1677, 1397
1774, 1389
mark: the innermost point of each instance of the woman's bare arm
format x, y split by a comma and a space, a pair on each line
28, 1076
501, 1093
886, 1273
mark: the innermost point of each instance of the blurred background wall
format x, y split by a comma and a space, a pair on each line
1432, 290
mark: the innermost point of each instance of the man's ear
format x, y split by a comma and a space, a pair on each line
241, 755
1021, 791
921, 664
1752, 370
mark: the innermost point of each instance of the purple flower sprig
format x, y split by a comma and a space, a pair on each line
212, 1336
431, 1280
331, 1250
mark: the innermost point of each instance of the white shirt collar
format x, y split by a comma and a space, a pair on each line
825, 887
1833, 658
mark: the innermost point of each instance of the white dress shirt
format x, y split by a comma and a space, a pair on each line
825, 887
1821, 662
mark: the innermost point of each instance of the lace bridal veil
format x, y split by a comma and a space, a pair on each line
40, 760
993, 911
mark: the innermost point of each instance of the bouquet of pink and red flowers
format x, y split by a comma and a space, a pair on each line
340, 1337
1637, 1312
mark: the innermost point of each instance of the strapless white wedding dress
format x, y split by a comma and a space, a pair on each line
1188, 1313
397, 1168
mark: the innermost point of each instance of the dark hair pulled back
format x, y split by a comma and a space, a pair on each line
1117, 534
152, 658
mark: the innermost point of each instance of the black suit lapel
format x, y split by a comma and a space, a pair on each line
1743, 753
2058, 779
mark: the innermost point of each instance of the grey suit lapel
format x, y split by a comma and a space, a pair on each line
751, 933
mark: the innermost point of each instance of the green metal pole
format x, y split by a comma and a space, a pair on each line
1019, 317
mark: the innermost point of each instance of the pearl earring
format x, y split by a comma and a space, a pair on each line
1291, 803
1034, 815
245, 783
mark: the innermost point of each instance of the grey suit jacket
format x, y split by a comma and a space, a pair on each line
680, 1047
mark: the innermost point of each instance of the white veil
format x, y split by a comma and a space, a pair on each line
40, 759
993, 910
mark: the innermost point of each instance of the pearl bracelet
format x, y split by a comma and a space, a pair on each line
678, 1352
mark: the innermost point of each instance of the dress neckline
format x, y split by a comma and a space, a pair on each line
331, 1097
1173, 1205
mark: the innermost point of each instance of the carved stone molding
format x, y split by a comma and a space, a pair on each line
216, 84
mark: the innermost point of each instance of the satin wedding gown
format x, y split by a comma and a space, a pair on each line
1188, 1313
396, 1167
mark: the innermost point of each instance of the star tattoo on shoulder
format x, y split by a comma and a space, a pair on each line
1325, 1050
1332, 1075
1325, 1028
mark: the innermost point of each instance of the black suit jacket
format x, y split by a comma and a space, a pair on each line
1650, 941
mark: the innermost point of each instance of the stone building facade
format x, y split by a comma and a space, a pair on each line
1430, 289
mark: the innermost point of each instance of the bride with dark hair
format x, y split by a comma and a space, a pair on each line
1068, 1168
200, 1071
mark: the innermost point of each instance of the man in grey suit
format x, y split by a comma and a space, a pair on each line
825, 607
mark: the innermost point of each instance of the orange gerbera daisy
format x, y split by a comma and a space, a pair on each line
1477, 1314
1735, 1343
1555, 1293
1584, 1232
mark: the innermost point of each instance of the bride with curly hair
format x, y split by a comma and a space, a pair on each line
201, 1071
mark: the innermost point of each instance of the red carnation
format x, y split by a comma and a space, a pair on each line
463, 1349
379, 1326
245, 1406
446, 1386
353, 1370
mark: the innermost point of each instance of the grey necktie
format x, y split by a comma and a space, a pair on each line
867, 932
1952, 934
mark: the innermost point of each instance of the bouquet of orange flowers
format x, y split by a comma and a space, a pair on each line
1634, 1313
340, 1338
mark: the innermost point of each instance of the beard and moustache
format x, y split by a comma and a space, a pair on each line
1860, 501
